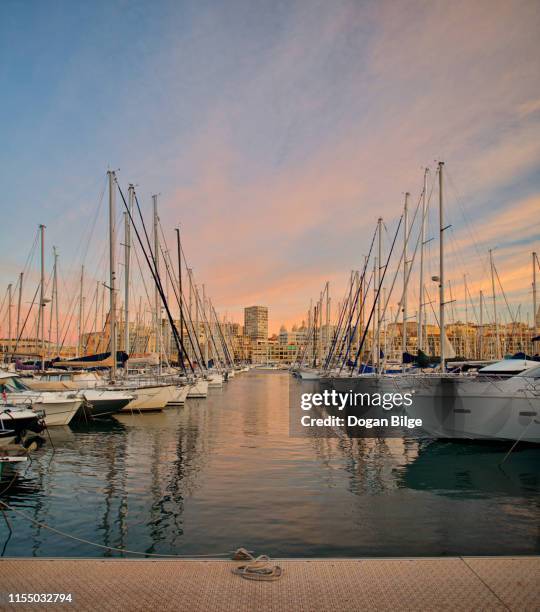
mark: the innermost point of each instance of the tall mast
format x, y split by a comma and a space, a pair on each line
42, 297
379, 275
10, 305
320, 345
481, 343
81, 314
196, 296
112, 270
421, 289
497, 342
405, 275
374, 323
180, 298
19, 304
466, 338
95, 330
157, 301
52, 302
327, 322
442, 336
205, 327
127, 261
56, 309
190, 308
534, 325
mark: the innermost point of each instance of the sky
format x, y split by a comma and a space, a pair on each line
275, 133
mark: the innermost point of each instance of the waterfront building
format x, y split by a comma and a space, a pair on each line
256, 322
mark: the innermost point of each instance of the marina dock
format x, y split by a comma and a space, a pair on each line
458, 583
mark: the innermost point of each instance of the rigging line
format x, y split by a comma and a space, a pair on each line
473, 306
504, 294
352, 333
337, 332
358, 289
406, 282
178, 340
168, 266
25, 321
205, 322
361, 346
468, 224
93, 226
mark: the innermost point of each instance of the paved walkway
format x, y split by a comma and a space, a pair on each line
471, 583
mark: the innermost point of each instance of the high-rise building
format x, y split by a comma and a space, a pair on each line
256, 322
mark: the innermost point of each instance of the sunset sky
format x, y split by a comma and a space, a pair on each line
275, 133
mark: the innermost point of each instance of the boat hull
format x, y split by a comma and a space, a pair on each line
178, 395
199, 389
103, 404
476, 410
215, 381
148, 399
58, 413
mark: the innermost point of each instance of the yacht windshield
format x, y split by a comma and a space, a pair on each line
12, 385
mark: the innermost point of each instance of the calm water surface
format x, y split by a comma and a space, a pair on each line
223, 472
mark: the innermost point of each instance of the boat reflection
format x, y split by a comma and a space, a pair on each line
473, 470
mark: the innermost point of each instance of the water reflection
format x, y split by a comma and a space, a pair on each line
224, 472
473, 470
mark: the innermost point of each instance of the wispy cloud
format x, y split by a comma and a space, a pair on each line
278, 134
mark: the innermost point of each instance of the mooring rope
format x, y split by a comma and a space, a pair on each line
103, 546
257, 568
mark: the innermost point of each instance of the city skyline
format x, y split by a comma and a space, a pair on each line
276, 134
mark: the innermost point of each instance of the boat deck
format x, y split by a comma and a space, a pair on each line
468, 583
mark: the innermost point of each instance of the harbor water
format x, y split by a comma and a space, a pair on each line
223, 472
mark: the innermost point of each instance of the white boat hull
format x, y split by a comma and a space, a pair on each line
199, 389
148, 398
58, 413
476, 409
215, 381
307, 375
178, 395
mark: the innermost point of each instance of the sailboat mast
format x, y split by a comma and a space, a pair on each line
379, 269
421, 289
327, 321
81, 314
534, 324
112, 270
442, 336
10, 306
374, 328
42, 297
497, 342
206, 327
180, 297
56, 309
405, 279
157, 299
466, 338
19, 304
481, 343
127, 261
95, 327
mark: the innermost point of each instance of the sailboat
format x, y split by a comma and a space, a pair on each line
58, 408
146, 395
478, 408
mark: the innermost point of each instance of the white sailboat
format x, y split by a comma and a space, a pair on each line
478, 408
59, 408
